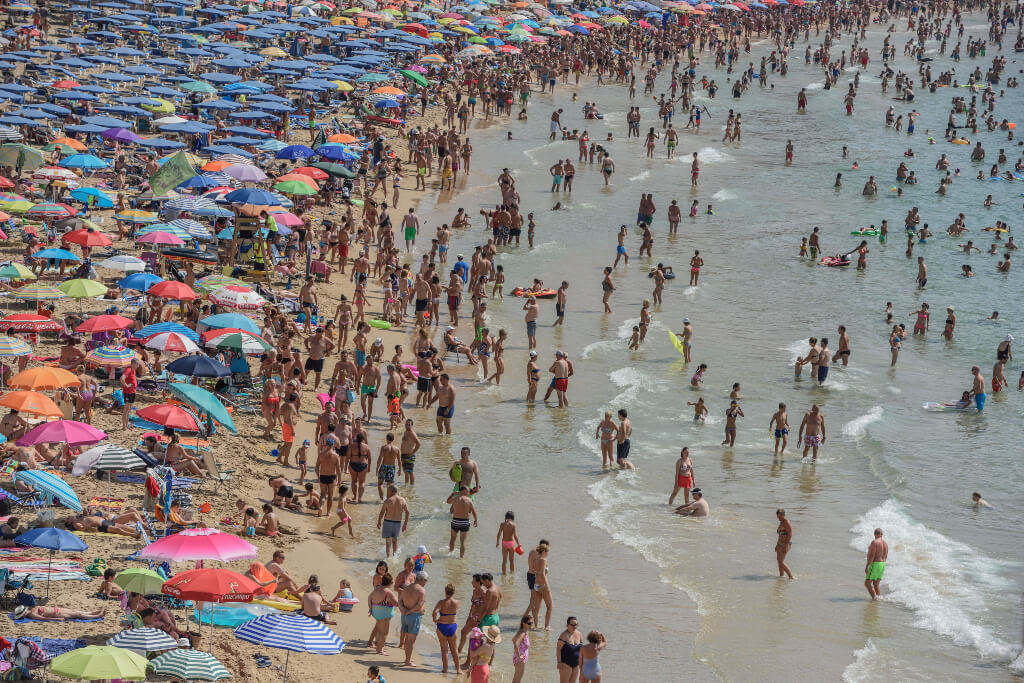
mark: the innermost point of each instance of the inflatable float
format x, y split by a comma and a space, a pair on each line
677, 342
380, 324
833, 261
960, 141
230, 614
866, 232
668, 276
947, 407
542, 294
195, 256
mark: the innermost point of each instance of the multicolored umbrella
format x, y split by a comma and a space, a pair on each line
16, 271
244, 342
160, 237
49, 210
236, 296
51, 487
38, 293
111, 357
211, 283
172, 342
12, 346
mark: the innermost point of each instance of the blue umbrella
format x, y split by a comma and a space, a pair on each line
167, 327
56, 254
294, 152
51, 487
225, 320
87, 161
292, 633
53, 539
198, 366
92, 197
140, 281
251, 195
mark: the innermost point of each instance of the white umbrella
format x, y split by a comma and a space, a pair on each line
124, 264
143, 640
234, 296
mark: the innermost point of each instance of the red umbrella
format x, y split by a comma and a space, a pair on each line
65, 84
5, 183
172, 289
87, 237
211, 585
169, 416
29, 322
105, 323
210, 334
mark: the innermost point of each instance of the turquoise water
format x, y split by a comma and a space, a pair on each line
700, 598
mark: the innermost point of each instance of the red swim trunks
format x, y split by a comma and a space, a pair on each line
288, 432
562, 384
684, 482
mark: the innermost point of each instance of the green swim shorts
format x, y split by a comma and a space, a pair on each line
489, 620
875, 571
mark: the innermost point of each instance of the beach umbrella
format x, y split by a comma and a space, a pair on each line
243, 342
204, 402
247, 173
51, 487
12, 346
107, 457
171, 342
160, 237
167, 415
100, 662
292, 633
80, 288
49, 210
38, 293
87, 237
198, 366
74, 144
85, 161
105, 323
29, 322
44, 378
62, 431
199, 544
54, 173
229, 320
314, 173
139, 580
31, 402
334, 169
16, 271
294, 152
415, 77
111, 357
189, 665
294, 187
150, 330
143, 640
121, 135
211, 585
172, 289
54, 540
139, 281
56, 255
136, 216
20, 156
92, 197
123, 263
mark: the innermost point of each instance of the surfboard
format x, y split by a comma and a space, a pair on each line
676, 342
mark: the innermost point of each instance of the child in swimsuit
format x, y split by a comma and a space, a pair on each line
343, 517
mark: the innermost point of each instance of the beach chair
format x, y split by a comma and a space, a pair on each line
216, 475
7, 584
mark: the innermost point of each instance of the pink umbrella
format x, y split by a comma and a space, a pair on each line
160, 237
286, 218
171, 341
62, 431
418, 69
247, 173
199, 544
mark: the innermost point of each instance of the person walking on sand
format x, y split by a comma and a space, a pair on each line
785, 542
878, 552
812, 431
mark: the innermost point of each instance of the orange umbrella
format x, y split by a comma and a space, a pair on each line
71, 142
216, 165
342, 137
172, 289
312, 172
44, 378
389, 90
301, 177
31, 402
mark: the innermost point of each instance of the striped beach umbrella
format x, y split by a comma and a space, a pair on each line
235, 296
143, 640
50, 486
189, 203
172, 342
189, 665
195, 229
240, 341
38, 293
292, 633
12, 346
109, 456
16, 271
150, 330
111, 356
168, 228
211, 283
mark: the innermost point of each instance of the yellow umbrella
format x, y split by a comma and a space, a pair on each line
164, 107
343, 86
273, 52
341, 21
618, 20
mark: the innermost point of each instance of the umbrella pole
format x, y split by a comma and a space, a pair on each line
287, 654
49, 563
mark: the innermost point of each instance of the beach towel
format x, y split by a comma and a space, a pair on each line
131, 478
30, 621
54, 647
107, 503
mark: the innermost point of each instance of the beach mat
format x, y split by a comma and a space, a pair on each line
54, 647
30, 621
107, 503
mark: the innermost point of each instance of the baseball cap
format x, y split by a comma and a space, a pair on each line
686, 320
533, 354
306, 442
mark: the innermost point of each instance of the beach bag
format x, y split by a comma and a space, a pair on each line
152, 487
27, 599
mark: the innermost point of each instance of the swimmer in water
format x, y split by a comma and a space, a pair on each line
980, 502
700, 411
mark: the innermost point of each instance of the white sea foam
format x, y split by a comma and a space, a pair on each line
710, 155
815, 86
864, 666
858, 426
606, 345
947, 584
639, 176
724, 195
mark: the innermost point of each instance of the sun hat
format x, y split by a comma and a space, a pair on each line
493, 634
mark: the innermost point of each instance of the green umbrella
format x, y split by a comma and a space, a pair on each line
335, 169
22, 157
138, 580
82, 289
198, 86
416, 78
294, 187
16, 206
205, 402
100, 662
16, 271
64, 149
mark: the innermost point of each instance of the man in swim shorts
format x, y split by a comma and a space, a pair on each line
411, 601
288, 414
878, 552
392, 520
978, 388
462, 508
492, 600
812, 431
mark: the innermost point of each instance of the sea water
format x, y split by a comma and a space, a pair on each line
681, 598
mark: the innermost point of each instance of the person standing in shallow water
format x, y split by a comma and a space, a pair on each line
878, 553
785, 542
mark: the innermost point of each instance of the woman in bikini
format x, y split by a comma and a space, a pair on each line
444, 618
476, 610
358, 463
537, 582
483, 351
382, 601
508, 539
344, 315
271, 403
87, 390
785, 532
607, 431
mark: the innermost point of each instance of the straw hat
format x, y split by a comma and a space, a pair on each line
493, 634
